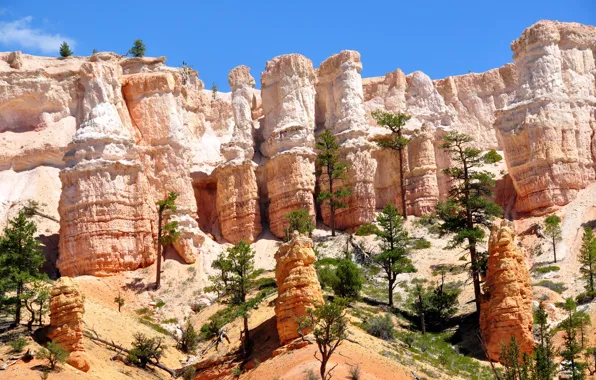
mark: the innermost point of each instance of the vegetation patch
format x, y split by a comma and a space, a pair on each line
547, 269
558, 287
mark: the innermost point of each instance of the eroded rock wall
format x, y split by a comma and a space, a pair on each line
340, 105
297, 285
548, 132
506, 306
288, 96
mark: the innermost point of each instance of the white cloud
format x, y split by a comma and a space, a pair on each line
20, 32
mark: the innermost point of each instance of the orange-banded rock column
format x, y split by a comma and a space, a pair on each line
105, 217
163, 144
340, 99
506, 306
548, 133
288, 95
66, 321
422, 193
237, 191
297, 285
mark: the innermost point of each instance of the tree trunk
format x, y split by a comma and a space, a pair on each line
40, 310
246, 342
17, 317
331, 207
159, 247
475, 274
390, 292
555, 249
422, 324
402, 183
323, 367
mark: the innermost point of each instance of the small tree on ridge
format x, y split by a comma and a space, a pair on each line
167, 232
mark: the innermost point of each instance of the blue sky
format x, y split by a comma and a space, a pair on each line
440, 38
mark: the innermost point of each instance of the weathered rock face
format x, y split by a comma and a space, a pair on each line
340, 106
506, 308
297, 285
105, 219
548, 133
66, 321
288, 95
237, 191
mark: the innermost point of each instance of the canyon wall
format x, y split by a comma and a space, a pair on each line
548, 131
97, 140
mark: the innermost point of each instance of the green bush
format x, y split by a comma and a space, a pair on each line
367, 229
349, 280
585, 297
189, 339
421, 243
554, 286
265, 283
550, 268
189, 373
299, 220
327, 277
327, 261
18, 344
160, 304
145, 350
381, 327
53, 353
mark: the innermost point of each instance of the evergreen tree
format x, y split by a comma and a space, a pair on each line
20, 261
418, 302
395, 123
395, 247
571, 347
328, 164
299, 220
214, 90
544, 352
65, 50
587, 259
119, 300
468, 209
138, 48
349, 280
552, 229
330, 328
36, 302
167, 232
235, 280
515, 366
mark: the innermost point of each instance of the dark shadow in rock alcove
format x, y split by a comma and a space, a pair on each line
50, 251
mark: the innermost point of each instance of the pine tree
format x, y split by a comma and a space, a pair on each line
349, 280
138, 48
395, 247
571, 347
587, 259
544, 353
20, 261
515, 365
235, 280
552, 229
65, 50
299, 220
167, 232
327, 163
395, 123
468, 209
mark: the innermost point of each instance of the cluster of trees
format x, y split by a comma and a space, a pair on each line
137, 50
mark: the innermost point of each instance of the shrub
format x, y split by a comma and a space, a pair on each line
236, 372
189, 339
354, 373
554, 286
550, 268
367, 229
18, 344
299, 220
53, 353
189, 373
266, 283
327, 277
160, 304
145, 350
585, 297
310, 375
421, 243
381, 327
349, 280
65, 50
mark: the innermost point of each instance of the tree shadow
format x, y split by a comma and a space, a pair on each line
136, 285
466, 336
264, 339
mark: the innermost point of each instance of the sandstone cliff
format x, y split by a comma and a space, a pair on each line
548, 132
506, 309
297, 285
66, 321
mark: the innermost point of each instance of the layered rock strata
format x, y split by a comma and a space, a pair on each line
548, 133
105, 219
288, 95
237, 191
506, 306
66, 321
340, 107
297, 285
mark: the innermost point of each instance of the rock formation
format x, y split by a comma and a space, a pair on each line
288, 95
340, 105
506, 306
105, 216
66, 321
548, 133
237, 191
297, 285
